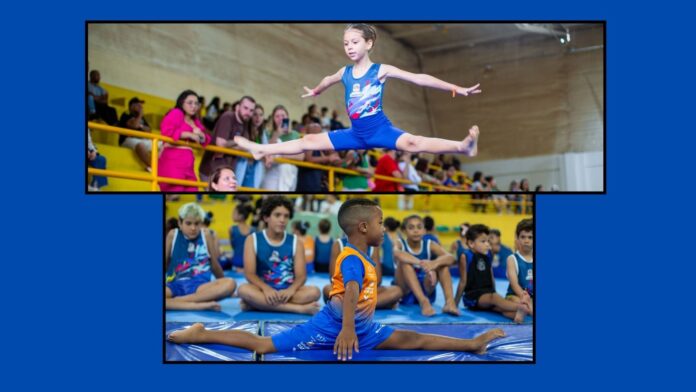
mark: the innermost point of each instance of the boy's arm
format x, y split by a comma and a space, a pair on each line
462, 279
324, 84
214, 252
269, 293
425, 80
347, 339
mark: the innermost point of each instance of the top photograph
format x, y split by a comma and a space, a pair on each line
319, 107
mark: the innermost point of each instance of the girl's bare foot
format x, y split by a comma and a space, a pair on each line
253, 148
427, 309
243, 305
470, 143
451, 308
191, 334
482, 340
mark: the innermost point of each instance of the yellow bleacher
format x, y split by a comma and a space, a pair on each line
448, 210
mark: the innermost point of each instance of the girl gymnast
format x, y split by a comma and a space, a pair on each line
364, 82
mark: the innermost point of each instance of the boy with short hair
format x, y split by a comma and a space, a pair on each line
520, 265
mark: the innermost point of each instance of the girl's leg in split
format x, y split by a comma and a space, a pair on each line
415, 144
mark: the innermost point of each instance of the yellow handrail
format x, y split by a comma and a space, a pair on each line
156, 179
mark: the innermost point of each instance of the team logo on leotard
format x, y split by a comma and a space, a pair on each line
356, 91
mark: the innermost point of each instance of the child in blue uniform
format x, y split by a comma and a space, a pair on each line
347, 322
322, 247
477, 284
388, 296
520, 268
190, 262
421, 265
364, 85
239, 233
274, 265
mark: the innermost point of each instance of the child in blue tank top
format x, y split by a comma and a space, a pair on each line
364, 87
520, 266
190, 263
274, 265
422, 264
322, 247
239, 233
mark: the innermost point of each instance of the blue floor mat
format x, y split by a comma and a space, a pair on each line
209, 352
403, 314
517, 345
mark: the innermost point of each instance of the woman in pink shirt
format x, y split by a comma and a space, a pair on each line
181, 123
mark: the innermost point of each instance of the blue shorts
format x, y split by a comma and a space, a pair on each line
187, 286
321, 331
380, 136
410, 299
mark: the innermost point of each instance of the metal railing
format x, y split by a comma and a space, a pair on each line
155, 179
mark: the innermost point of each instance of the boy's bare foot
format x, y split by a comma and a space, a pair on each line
451, 308
470, 143
482, 340
427, 309
250, 146
311, 308
521, 312
189, 335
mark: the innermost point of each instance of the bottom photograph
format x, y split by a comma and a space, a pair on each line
349, 278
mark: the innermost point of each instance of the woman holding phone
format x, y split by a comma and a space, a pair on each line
281, 177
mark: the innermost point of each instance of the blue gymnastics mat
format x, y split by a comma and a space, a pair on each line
517, 345
403, 314
209, 352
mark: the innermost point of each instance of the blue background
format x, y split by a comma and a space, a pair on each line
82, 301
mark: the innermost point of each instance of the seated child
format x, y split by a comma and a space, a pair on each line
520, 265
421, 264
239, 233
322, 247
190, 256
274, 265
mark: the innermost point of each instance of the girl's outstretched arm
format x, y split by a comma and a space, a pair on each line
425, 80
324, 84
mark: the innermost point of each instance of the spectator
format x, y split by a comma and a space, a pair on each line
223, 180
98, 100
97, 161
387, 166
422, 170
331, 205
133, 119
211, 113
228, 126
250, 171
281, 177
335, 124
312, 180
478, 199
325, 119
358, 161
450, 172
539, 188
499, 201
181, 123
